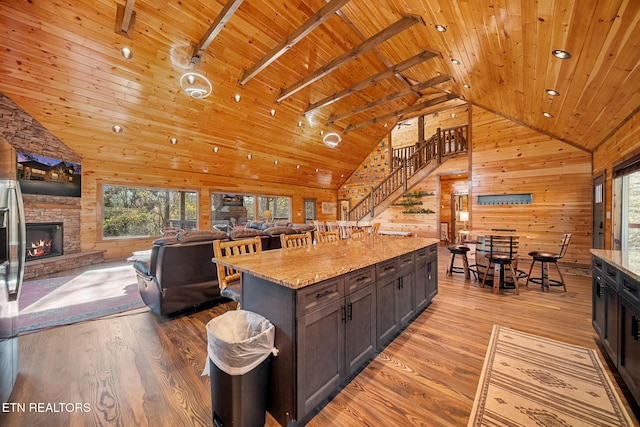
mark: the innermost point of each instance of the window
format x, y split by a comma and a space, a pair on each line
141, 212
626, 206
235, 209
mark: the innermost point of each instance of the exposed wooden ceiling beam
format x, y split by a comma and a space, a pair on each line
326, 12
401, 113
384, 35
385, 74
125, 19
392, 97
221, 20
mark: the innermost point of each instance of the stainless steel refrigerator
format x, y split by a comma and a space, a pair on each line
12, 258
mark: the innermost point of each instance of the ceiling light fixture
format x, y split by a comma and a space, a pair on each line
552, 92
272, 112
317, 170
215, 149
441, 28
332, 139
455, 61
453, 115
126, 53
300, 124
237, 97
547, 115
466, 86
117, 129
561, 54
173, 140
249, 156
297, 166
196, 85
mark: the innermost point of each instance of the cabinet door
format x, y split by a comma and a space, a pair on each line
611, 321
432, 278
387, 326
598, 306
360, 331
320, 354
420, 284
404, 300
629, 346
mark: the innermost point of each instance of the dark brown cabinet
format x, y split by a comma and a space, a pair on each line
616, 320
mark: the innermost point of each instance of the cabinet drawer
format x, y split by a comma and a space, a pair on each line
610, 274
405, 261
360, 278
387, 268
432, 250
597, 264
630, 289
316, 296
421, 255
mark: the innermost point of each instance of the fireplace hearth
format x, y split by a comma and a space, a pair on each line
44, 240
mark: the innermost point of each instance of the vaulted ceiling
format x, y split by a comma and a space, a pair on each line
304, 68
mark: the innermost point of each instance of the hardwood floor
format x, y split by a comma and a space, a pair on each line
139, 369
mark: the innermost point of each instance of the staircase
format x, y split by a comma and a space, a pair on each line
410, 165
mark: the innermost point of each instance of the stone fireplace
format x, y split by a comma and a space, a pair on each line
44, 239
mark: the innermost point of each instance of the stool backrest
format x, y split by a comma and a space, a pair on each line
296, 240
233, 248
328, 236
565, 245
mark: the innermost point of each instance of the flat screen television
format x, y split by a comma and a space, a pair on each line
47, 176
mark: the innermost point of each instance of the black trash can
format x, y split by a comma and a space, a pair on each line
240, 348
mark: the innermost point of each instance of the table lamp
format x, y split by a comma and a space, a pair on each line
464, 217
267, 215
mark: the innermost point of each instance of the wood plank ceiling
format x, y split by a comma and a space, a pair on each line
301, 69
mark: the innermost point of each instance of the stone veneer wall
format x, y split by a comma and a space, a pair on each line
26, 134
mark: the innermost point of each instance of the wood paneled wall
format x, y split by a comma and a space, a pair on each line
95, 174
624, 144
508, 158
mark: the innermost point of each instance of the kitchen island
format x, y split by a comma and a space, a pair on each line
333, 305
616, 311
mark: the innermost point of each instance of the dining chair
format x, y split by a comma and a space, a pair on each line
503, 254
328, 236
545, 258
357, 233
229, 278
332, 226
344, 227
296, 240
319, 225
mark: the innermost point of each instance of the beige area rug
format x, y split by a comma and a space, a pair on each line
528, 380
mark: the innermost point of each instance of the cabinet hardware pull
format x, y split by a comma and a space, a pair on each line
323, 294
629, 289
634, 327
598, 289
350, 311
389, 268
344, 314
359, 279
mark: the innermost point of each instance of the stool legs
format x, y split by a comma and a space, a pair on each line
498, 277
544, 280
465, 265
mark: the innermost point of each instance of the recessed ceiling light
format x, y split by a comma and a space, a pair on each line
453, 115
441, 28
300, 124
297, 166
547, 115
272, 112
275, 162
321, 132
317, 170
561, 54
117, 129
237, 97
552, 92
455, 61
216, 149
249, 156
173, 140
466, 86
386, 124
126, 53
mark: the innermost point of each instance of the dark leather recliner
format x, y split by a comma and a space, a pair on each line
179, 273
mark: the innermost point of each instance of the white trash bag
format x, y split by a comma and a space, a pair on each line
239, 341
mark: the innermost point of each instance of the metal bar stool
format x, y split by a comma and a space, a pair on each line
462, 251
501, 259
545, 258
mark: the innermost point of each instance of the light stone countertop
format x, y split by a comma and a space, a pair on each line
627, 262
300, 267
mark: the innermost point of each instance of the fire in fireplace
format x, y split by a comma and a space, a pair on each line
44, 239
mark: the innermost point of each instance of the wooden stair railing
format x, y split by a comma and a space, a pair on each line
408, 161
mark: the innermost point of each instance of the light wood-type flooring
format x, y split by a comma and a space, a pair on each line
137, 369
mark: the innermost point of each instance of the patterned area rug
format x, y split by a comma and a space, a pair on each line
66, 300
533, 381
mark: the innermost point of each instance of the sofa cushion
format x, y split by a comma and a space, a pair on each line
242, 233
166, 241
266, 225
255, 224
201, 235
282, 224
276, 231
303, 228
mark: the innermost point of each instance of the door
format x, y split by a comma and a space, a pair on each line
598, 212
360, 327
309, 210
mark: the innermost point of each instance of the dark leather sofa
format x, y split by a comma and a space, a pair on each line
179, 273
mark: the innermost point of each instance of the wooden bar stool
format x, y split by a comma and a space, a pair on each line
462, 251
502, 254
545, 258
